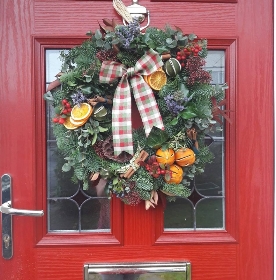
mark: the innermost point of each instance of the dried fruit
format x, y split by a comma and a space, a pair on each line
81, 112
157, 79
176, 174
68, 124
165, 156
184, 157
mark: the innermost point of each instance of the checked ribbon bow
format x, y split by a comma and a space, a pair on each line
143, 95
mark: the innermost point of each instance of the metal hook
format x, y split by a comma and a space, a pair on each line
138, 12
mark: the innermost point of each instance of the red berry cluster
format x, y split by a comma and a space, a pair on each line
155, 170
153, 167
190, 50
65, 110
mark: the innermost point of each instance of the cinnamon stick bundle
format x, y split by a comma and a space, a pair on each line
142, 157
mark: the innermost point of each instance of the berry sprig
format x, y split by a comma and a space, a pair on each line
62, 112
154, 168
192, 49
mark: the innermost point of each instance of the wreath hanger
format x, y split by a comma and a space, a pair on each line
134, 11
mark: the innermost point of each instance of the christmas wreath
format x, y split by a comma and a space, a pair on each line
162, 71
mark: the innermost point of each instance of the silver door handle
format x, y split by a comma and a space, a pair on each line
7, 209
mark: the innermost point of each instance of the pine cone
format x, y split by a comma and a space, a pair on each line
98, 148
108, 152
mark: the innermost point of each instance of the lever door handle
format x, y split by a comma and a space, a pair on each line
7, 212
7, 209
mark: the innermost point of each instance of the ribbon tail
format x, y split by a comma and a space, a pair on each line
121, 119
146, 104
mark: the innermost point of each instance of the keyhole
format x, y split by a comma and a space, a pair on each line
6, 239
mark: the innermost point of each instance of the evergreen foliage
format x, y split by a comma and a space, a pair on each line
184, 105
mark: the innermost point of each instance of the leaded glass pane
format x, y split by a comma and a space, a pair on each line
70, 209
207, 199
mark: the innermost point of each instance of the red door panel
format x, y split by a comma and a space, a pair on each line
244, 249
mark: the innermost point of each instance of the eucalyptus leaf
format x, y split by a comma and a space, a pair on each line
192, 37
88, 79
107, 46
102, 129
115, 41
162, 49
94, 139
169, 40
156, 138
98, 34
173, 45
179, 36
48, 96
184, 90
66, 167
81, 157
99, 43
71, 84
87, 126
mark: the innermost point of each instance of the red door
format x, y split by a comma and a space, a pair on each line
243, 250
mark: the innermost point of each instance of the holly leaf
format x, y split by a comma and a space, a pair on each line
187, 114
156, 138
57, 110
165, 146
86, 90
174, 121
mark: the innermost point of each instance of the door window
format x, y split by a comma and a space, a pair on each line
70, 209
205, 207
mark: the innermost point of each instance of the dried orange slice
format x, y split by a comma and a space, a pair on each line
146, 79
68, 124
78, 123
81, 112
157, 79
